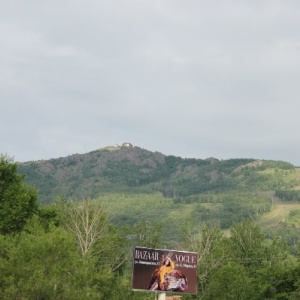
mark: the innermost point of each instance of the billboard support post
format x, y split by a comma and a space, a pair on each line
162, 296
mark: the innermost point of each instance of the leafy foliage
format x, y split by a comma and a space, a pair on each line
17, 200
45, 261
288, 195
82, 249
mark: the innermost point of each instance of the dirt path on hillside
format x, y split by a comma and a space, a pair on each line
279, 212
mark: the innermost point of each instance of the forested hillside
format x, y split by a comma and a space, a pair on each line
135, 170
131, 179
67, 228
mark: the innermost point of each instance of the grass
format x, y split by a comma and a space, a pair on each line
279, 213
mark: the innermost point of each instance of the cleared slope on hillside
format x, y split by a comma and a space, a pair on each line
279, 213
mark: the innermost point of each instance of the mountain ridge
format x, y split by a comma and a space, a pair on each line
130, 169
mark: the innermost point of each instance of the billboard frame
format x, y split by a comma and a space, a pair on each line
164, 270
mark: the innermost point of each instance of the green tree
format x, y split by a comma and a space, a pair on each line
96, 237
268, 265
247, 244
148, 234
231, 282
39, 264
18, 201
210, 244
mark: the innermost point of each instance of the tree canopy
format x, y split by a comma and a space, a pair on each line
18, 201
81, 250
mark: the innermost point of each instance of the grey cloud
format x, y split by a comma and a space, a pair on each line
195, 78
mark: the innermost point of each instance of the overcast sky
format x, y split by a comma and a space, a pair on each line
187, 78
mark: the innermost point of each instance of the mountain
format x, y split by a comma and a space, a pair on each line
129, 169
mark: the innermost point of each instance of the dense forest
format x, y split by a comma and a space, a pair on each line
135, 170
68, 225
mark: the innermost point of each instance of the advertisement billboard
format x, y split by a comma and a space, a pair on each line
164, 270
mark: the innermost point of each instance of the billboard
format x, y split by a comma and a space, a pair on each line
164, 270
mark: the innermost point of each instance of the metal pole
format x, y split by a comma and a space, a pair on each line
162, 296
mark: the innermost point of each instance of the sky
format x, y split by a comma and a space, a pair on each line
194, 79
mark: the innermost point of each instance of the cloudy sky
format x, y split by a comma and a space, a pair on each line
187, 78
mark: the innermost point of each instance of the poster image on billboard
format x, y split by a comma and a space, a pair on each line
164, 270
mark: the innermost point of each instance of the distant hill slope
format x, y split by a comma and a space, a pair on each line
129, 169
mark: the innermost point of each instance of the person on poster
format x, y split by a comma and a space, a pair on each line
167, 268
158, 277
166, 278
